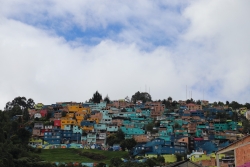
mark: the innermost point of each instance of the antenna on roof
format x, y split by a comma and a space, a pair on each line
203, 94
186, 92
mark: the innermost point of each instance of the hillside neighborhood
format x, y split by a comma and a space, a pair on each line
175, 130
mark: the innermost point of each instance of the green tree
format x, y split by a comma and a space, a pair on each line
190, 101
107, 99
247, 105
144, 96
23, 135
170, 99
101, 164
120, 135
176, 125
128, 144
166, 103
235, 105
115, 161
149, 127
246, 126
111, 140
116, 138
97, 97
150, 162
220, 103
198, 102
30, 103
174, 104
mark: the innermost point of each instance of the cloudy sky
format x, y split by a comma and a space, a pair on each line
55, 50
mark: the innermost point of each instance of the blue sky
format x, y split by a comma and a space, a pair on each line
66, 50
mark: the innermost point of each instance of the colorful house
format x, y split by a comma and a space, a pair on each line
129, 132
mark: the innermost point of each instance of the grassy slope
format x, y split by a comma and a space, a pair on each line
70, 155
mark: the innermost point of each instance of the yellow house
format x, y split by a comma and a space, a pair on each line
78, 112
37, 142
70, 115
239, 123
77, 108
243, 110
94, 119
67, 121
87, 128
204, 159
87, 125
80, 116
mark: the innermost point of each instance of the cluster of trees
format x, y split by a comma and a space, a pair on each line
97, 97
143, 96
19, 106
119, 138
14, 138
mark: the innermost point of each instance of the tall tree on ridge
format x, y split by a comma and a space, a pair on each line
97, 97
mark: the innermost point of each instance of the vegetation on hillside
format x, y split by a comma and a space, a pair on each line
14, 137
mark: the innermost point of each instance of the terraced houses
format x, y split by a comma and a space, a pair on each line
195, 130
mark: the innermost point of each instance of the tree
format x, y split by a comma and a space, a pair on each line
198, 102
149, 127
220, 103
30, 103
115, 161
101, 164
189, 101
111, 140
170, 99
246, 126
247, 105
107, 99
176, 125
167, 103
215, 104
23, 135
97, 97
128, 143
150, 162
26, 115
174, 103
20, 106
235, 105
144, 96
120, 135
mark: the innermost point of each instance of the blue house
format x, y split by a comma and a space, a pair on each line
100, 127
53, 137
199, 113
130, 132
146, 112
112, 128
159, 146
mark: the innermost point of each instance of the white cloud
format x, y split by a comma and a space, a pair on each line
211, 53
